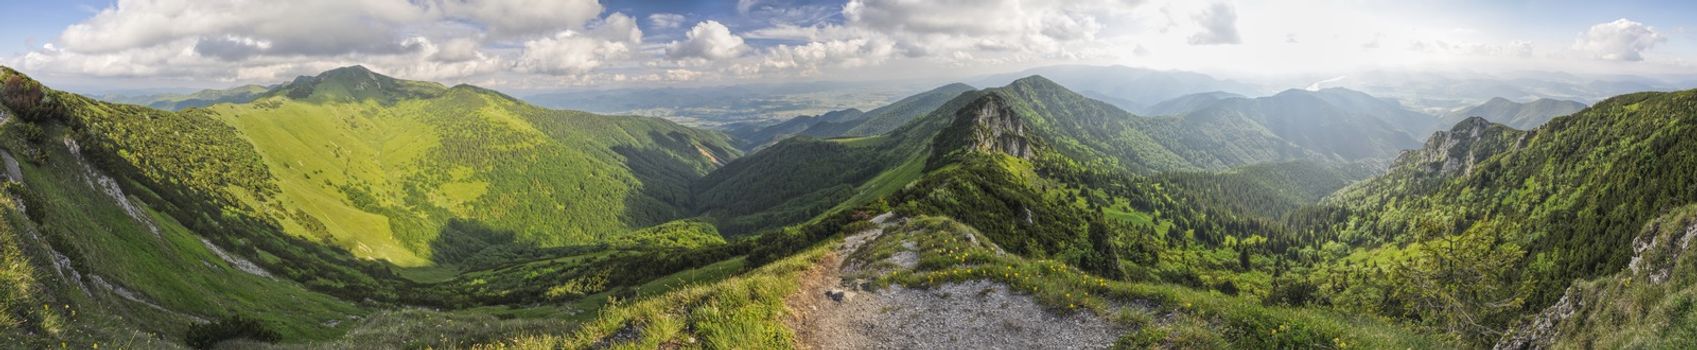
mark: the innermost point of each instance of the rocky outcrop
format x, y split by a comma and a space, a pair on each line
1543, 330
1662, 248
995, 127
1456, 152
106, 184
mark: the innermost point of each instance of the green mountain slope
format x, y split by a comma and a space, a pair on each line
852, 122
803, 177
1645, 305
762, 137
1533, 210
890, 117
1096, 134
147, 225
405, 158
1514, 114
133, 221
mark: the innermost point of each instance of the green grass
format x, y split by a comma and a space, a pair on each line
174, 269
742, 312
887, 182
382, 178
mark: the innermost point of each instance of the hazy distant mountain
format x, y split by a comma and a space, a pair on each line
849, 122
1187, 103
1341, 123
202, 98
1439, 92
722, 106
759, 137
1124, 86
1524, 116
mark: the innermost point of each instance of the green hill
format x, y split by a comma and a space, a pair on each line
853, 122
203, 98
1514, 114
380, 165
1188, 103
1530, 210
1335, 123
803, 177
758, 138
889, 118
1645, 305
146, 225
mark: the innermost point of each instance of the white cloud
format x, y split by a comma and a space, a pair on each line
1518, 48
568, 53
535, 43
666, 20
361, 26
1621, 40
266, 41
682, 74
573, 53
618, 27
708, 40
509, 18
807, 59
456, 50
1219, 26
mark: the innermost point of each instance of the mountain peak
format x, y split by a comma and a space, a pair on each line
1470, 124
1034, 81
1459, 150
354, 69
987, 124
1499, 101
357, 83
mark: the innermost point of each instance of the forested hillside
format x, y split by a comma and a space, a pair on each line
1528, 211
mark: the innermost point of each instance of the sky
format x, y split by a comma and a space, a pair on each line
555, 44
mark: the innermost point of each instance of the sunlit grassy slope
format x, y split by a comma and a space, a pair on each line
383, 174
94, 271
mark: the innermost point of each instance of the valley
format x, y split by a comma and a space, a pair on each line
351, 209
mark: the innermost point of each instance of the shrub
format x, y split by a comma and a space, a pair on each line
205, 335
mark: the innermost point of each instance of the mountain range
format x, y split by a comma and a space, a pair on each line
351, 209
1514, 114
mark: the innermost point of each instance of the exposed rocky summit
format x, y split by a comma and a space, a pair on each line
995, 127
1457, 151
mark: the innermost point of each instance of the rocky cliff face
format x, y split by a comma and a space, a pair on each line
994, 127
1630, 305
1456, 152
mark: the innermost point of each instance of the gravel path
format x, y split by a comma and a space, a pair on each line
968, 315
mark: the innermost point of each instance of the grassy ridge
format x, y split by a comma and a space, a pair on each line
745, 312
135, 278
399, 169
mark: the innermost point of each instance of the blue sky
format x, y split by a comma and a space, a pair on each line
521, 44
